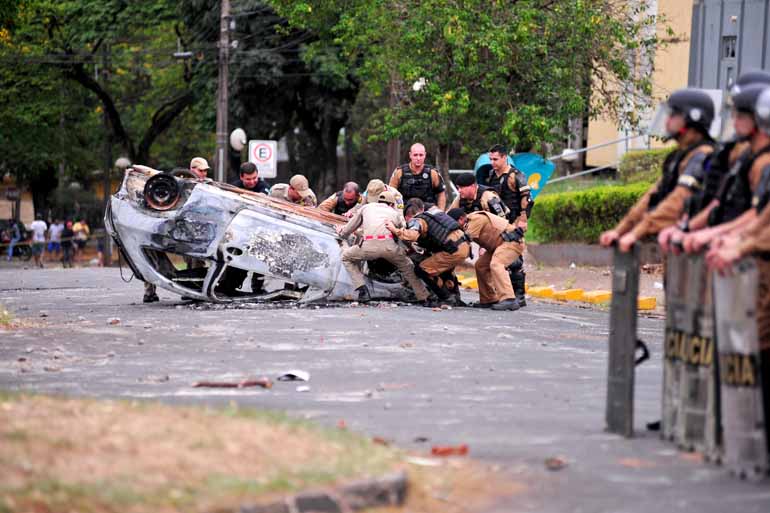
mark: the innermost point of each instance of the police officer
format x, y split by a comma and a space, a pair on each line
687, 115
297, 191
419, 180
503, 244
473, 197
736, 204
511, 185
342, 202
753, 238
378, 242
443, 240
715, 171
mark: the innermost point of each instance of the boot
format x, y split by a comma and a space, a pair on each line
363, 294
518, 282
506, 304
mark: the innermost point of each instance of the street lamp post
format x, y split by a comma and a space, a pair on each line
221, 160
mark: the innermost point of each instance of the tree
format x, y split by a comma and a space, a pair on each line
468, 72
119, 51
277, 87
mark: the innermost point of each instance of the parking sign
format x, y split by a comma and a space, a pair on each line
265, 155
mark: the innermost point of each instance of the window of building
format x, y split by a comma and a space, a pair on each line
729, 46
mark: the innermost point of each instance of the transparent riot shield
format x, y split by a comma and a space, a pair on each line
690, 400
699, 427
622, 343
743, 416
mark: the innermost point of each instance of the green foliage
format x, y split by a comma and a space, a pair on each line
492, 71
582, 216
642, 165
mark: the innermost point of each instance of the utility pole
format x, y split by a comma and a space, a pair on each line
107, 243
221, 164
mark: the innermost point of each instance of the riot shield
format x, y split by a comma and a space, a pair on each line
743, 416
622, 343
690, 402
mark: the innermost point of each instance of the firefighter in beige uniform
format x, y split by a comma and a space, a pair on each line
378, 242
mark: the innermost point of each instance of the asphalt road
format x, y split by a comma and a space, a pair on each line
517, 387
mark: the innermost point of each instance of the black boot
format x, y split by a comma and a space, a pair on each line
518, 282
363, 294
506, 304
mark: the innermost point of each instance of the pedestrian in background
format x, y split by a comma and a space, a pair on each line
54, 237
67, 244
38, 227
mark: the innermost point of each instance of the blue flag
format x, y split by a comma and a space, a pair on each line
537, 169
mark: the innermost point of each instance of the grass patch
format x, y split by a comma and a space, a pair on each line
94, 456
6, 318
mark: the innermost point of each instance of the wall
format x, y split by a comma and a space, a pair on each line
670, 73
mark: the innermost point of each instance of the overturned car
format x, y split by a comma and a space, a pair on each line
187, 236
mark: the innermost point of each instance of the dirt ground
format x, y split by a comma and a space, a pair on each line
63, 454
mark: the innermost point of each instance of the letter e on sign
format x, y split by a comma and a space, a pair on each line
264, 155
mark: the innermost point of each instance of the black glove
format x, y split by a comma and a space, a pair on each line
514, 236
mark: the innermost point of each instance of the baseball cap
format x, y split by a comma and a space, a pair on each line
465, 179
200, 163
387, 197
456, 213
373, 190
300, 184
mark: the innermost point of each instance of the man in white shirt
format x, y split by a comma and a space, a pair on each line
38, 227
54, 237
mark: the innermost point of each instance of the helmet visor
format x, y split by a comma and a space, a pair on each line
658, 124
728, 127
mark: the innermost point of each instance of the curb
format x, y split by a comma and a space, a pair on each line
389, 490
596, 297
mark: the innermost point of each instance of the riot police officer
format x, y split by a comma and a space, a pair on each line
687, 116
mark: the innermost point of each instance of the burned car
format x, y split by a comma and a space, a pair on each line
185, 235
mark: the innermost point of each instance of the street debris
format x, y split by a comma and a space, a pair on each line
423, 462
303, 388
294, 375
421, 439
341, 424
154, 379
449, 450
43, 314
260, 382
553, 464
380, 441
113, 321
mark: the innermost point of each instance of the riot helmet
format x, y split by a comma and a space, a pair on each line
746, 98
694, 105
762, 111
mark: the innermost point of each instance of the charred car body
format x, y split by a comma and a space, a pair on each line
160, 220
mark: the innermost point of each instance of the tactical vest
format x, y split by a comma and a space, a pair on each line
762, 196
474, 205
417, 185
671, 172
510, 198
340, 207
735, 195
440, 225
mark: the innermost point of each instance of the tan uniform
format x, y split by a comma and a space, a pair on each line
330, 203
757, 240
643, 221
484, 200
281, 191
378, 243
485, 229
524, 191
440, 261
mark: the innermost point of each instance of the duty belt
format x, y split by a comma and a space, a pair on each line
378, 237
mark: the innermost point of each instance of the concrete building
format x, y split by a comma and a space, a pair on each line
714, 41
